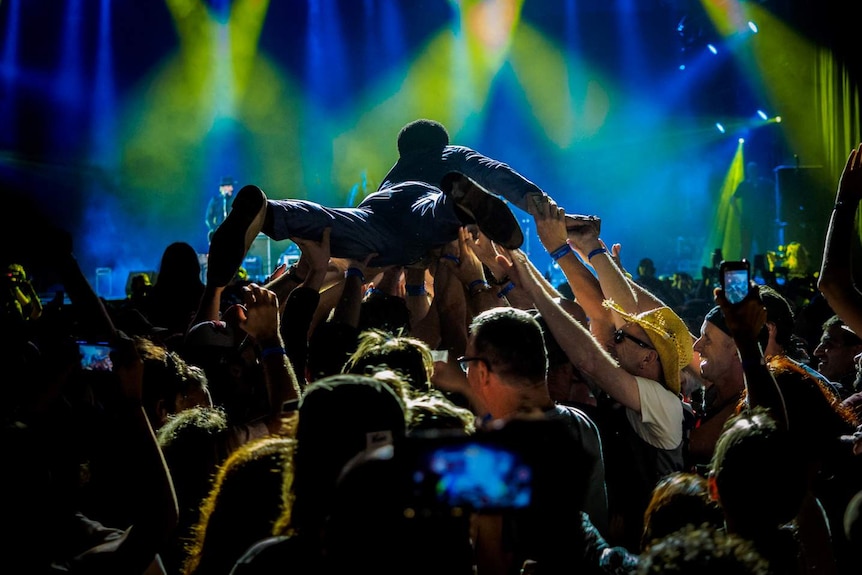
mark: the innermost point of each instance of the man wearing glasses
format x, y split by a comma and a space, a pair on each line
506, 365
634, 354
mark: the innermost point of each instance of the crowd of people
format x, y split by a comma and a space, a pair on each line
414, 396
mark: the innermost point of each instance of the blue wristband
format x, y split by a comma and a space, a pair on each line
415, 290
596, 252
268, 351
561, 251
506, 289
355, 272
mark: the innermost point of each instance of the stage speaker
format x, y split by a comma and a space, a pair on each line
261, 249
804, 206
104, 283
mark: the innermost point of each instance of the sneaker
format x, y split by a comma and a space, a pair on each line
232, 239
575, 222
476, 205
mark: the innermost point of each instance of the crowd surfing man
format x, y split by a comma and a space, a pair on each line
432, 190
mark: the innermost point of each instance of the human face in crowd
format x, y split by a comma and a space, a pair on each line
628, 346
477, 369
719, 360
836, 354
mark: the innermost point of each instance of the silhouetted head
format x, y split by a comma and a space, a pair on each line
407, 355
339, 416
646, 267
778, 312
511, 341
758, 476
179, 264
677, 500
422, 135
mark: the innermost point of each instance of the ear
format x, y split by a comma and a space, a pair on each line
161, 411
485, 375
713, 487
651, 356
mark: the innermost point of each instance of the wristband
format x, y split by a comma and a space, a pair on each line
372, 291
506, 289
478, 286
417, 290
268, 351
452, 258
354, 272
561, 251
596, 252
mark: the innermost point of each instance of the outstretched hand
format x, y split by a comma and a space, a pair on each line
129, 368
746, 319
550, 222
469, 267
485, 249
514, 264
315, 254
259, 315
850, 184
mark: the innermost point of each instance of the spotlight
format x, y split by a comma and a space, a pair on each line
742, 140
712, 48
778, 119
720, 127
752, 26
762, 115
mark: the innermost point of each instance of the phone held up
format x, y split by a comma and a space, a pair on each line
735, 279
95, 355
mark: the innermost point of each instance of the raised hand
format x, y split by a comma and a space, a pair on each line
469, 268
746, 319
850, 184
550, 222
315, 254
484, 248
259, 316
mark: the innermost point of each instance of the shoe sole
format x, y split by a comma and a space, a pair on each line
490, 213
244, 221
576, 222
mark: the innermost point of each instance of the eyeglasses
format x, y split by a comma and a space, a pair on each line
464, 361
619, 335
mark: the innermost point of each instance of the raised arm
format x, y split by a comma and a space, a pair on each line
554, 235
154, 504
301, 302
481, 295
260, 320
836, 273
579, 345
745, 321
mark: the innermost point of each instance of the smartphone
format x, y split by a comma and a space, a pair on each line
471, 472
95, 355
735, 279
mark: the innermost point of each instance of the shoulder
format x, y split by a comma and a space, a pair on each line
266, 556
573, 415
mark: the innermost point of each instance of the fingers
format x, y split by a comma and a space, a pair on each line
253, 294
324, 241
